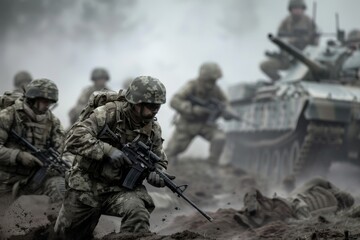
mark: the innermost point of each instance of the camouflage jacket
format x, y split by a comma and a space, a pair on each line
319, 195
81, 103
91, 171
183, 105
42, 133
299, 33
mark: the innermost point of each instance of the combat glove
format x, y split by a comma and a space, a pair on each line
155, 180
28, 160
118, 158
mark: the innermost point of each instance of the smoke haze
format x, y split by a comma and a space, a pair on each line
168, 39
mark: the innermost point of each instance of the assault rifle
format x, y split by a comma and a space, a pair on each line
51, 160
216, 108
143, 162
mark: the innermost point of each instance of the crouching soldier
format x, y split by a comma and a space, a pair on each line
30, 119
95, 181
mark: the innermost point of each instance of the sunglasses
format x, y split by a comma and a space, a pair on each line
152, 106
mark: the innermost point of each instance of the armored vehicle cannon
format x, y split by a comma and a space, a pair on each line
304, 121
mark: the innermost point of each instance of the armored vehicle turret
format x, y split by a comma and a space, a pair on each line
303, 122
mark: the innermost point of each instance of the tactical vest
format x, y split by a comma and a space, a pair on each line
37, 133
119, 125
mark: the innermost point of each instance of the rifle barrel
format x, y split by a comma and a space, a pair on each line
173, 187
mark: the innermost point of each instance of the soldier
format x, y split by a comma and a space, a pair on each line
21, 79
193, 119
314, 197
353, 39
351, 66
99, 76
95, 180
31, 118
299, 31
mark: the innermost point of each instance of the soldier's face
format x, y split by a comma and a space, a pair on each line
297, 11
100, 83
208, 84
42, 105
147, 110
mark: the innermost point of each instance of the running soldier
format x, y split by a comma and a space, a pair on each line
99, 76
199, 104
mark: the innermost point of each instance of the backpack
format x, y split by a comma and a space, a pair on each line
8, 99
100, 98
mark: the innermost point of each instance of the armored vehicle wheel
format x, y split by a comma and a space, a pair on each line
301, 154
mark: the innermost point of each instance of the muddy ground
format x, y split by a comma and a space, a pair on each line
218, 191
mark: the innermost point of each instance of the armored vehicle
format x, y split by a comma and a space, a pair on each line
299, 125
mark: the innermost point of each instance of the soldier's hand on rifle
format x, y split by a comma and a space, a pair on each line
155, 180
28, 160
118, 158
198, 110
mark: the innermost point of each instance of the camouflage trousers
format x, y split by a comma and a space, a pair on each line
186, 131
81, 211
272, 66
54, 188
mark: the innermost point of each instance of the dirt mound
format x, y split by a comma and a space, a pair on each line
212, 185
25, 217
225, 227
222, 227
153, 236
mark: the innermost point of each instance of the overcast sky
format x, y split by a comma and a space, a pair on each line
167, 39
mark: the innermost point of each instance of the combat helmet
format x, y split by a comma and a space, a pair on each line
210, 70
99, 73
146, 89
22, 78
353, 36
297, 4
42, 88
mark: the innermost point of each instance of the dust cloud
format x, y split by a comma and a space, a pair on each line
64, 40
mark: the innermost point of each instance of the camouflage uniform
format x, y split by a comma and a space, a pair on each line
314, 197
353, 38
299, 31
95, 185
43, 131
21, 79
192, 123
97, 73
